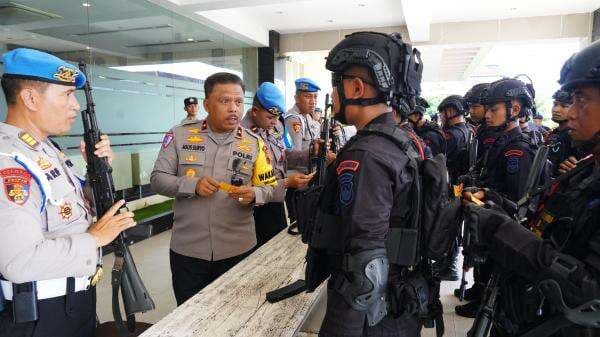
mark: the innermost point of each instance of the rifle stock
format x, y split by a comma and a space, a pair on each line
99, 174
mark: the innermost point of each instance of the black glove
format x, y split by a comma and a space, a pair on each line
482, 222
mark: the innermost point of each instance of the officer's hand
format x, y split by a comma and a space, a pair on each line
473, 196
206, 186
483, 222
103, 149
330, 157
567, 165
244, 194
337, 130
298, 180
111, 224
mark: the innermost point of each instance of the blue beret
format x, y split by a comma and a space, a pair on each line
35, 65
271, 98
306, 84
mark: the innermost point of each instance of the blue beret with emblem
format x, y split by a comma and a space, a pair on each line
306, 84
31, 64
271, 98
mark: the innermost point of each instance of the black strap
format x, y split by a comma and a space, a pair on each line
117, 274
549, 327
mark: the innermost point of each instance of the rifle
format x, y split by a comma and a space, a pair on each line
319, 163
99, 175
483, 320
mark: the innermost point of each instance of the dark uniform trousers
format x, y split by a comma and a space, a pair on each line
270, 220
65, 316
190, 275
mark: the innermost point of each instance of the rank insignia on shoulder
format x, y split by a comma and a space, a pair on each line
194, 131
28, 140
347, 165
17, 183
44, 163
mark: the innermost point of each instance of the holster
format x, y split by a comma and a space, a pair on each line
409, 297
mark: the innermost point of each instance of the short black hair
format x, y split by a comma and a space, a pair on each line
12, 87
256, 102
221, 78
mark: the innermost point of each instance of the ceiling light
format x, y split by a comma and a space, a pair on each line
513, 8
361, 5
279, 12
86, 4
88, 47
330, 21
190, 39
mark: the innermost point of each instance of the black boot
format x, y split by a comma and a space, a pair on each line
468, 310
448, 270
471, 294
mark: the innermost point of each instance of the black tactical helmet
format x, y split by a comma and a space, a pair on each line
505, 90
395, 66
421, 106
581, 68
455, 101
562, 97
473, 96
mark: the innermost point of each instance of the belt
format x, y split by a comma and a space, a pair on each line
48, 288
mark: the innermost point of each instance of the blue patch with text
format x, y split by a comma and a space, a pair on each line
346, 188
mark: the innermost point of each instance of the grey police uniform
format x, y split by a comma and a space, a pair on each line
216, 227
41, 240
299, 128
188, 120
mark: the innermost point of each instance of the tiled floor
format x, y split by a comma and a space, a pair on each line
152, 260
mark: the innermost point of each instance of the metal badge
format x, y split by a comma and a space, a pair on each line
97, 276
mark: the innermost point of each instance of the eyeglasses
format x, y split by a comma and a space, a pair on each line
337, 79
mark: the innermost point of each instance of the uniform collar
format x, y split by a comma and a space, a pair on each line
237, 133
385, 118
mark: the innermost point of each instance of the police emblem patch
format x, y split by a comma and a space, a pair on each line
17, 183
167, 140
346, 188
297, 127
66, 210
512, 165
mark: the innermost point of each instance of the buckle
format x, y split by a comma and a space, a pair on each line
96, 277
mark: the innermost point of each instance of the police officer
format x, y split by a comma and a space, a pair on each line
567, 254
367, 188
486, 136
191, 108
537, 120
508, 160
430, 132
264, 120
558, 140
49, 247
299, 120
216, 170
452, 111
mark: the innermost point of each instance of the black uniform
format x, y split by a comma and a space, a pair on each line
433, 136
561, 148
367, 190
486, 136
533, 132
568, 253
457, 137
507, 164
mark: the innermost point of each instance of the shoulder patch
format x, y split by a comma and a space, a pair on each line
17, 183
512, 165
297, 127
347, 165
513, 153
167, 140
346, 182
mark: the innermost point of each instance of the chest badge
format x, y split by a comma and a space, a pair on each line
66, 210
44, 163
195, 139
244, 145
